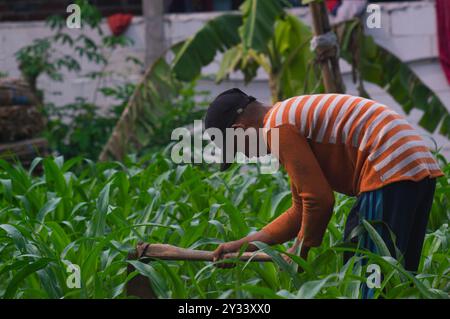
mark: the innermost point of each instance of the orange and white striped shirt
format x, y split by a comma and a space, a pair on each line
380, 143
344, 143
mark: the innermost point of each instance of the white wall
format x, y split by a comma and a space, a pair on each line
408, 29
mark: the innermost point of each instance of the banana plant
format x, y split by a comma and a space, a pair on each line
375, 64
139, 120
264, 35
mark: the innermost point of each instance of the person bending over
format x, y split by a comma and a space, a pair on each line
343, 143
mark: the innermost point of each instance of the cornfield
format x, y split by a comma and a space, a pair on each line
90, 215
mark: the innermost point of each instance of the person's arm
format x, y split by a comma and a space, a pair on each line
312, 200
310, 184
286, 226
283, 228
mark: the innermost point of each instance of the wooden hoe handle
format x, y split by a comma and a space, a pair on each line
170, 252
139, 286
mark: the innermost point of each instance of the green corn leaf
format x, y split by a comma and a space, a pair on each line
279, 261
26, 271
15, 235
47, 208
310, 289
381, 245
99, 218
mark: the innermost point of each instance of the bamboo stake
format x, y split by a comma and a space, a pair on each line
330, 65
170, 252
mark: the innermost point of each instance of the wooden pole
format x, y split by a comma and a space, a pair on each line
153, 12
330, 63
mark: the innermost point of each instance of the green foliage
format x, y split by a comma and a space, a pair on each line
245, 40
296, 65
258, 18
79, 128
38, 58
264, 36
47, 55
377, 65
158, 105
441, 204
188, 106
82, 129
279, 43
91, 214
216, 35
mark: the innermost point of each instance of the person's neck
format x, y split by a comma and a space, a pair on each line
263, 110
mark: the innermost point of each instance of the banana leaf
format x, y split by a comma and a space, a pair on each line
258, 17
285, 56
250, 30
217, 35
296, 75
378, 65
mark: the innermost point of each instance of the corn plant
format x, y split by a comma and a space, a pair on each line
87, 216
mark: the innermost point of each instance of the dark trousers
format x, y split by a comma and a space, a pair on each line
401, 209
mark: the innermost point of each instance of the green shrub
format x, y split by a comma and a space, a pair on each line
92, 218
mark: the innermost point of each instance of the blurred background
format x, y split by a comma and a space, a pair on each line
83, 79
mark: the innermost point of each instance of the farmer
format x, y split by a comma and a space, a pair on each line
343, 143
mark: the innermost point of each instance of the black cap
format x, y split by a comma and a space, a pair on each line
223, 112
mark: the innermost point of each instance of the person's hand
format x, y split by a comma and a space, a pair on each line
222, 249
293, 250
235, 246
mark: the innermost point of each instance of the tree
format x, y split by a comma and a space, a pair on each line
154, 30
263, 35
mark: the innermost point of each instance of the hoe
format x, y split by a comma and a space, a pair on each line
140, 285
